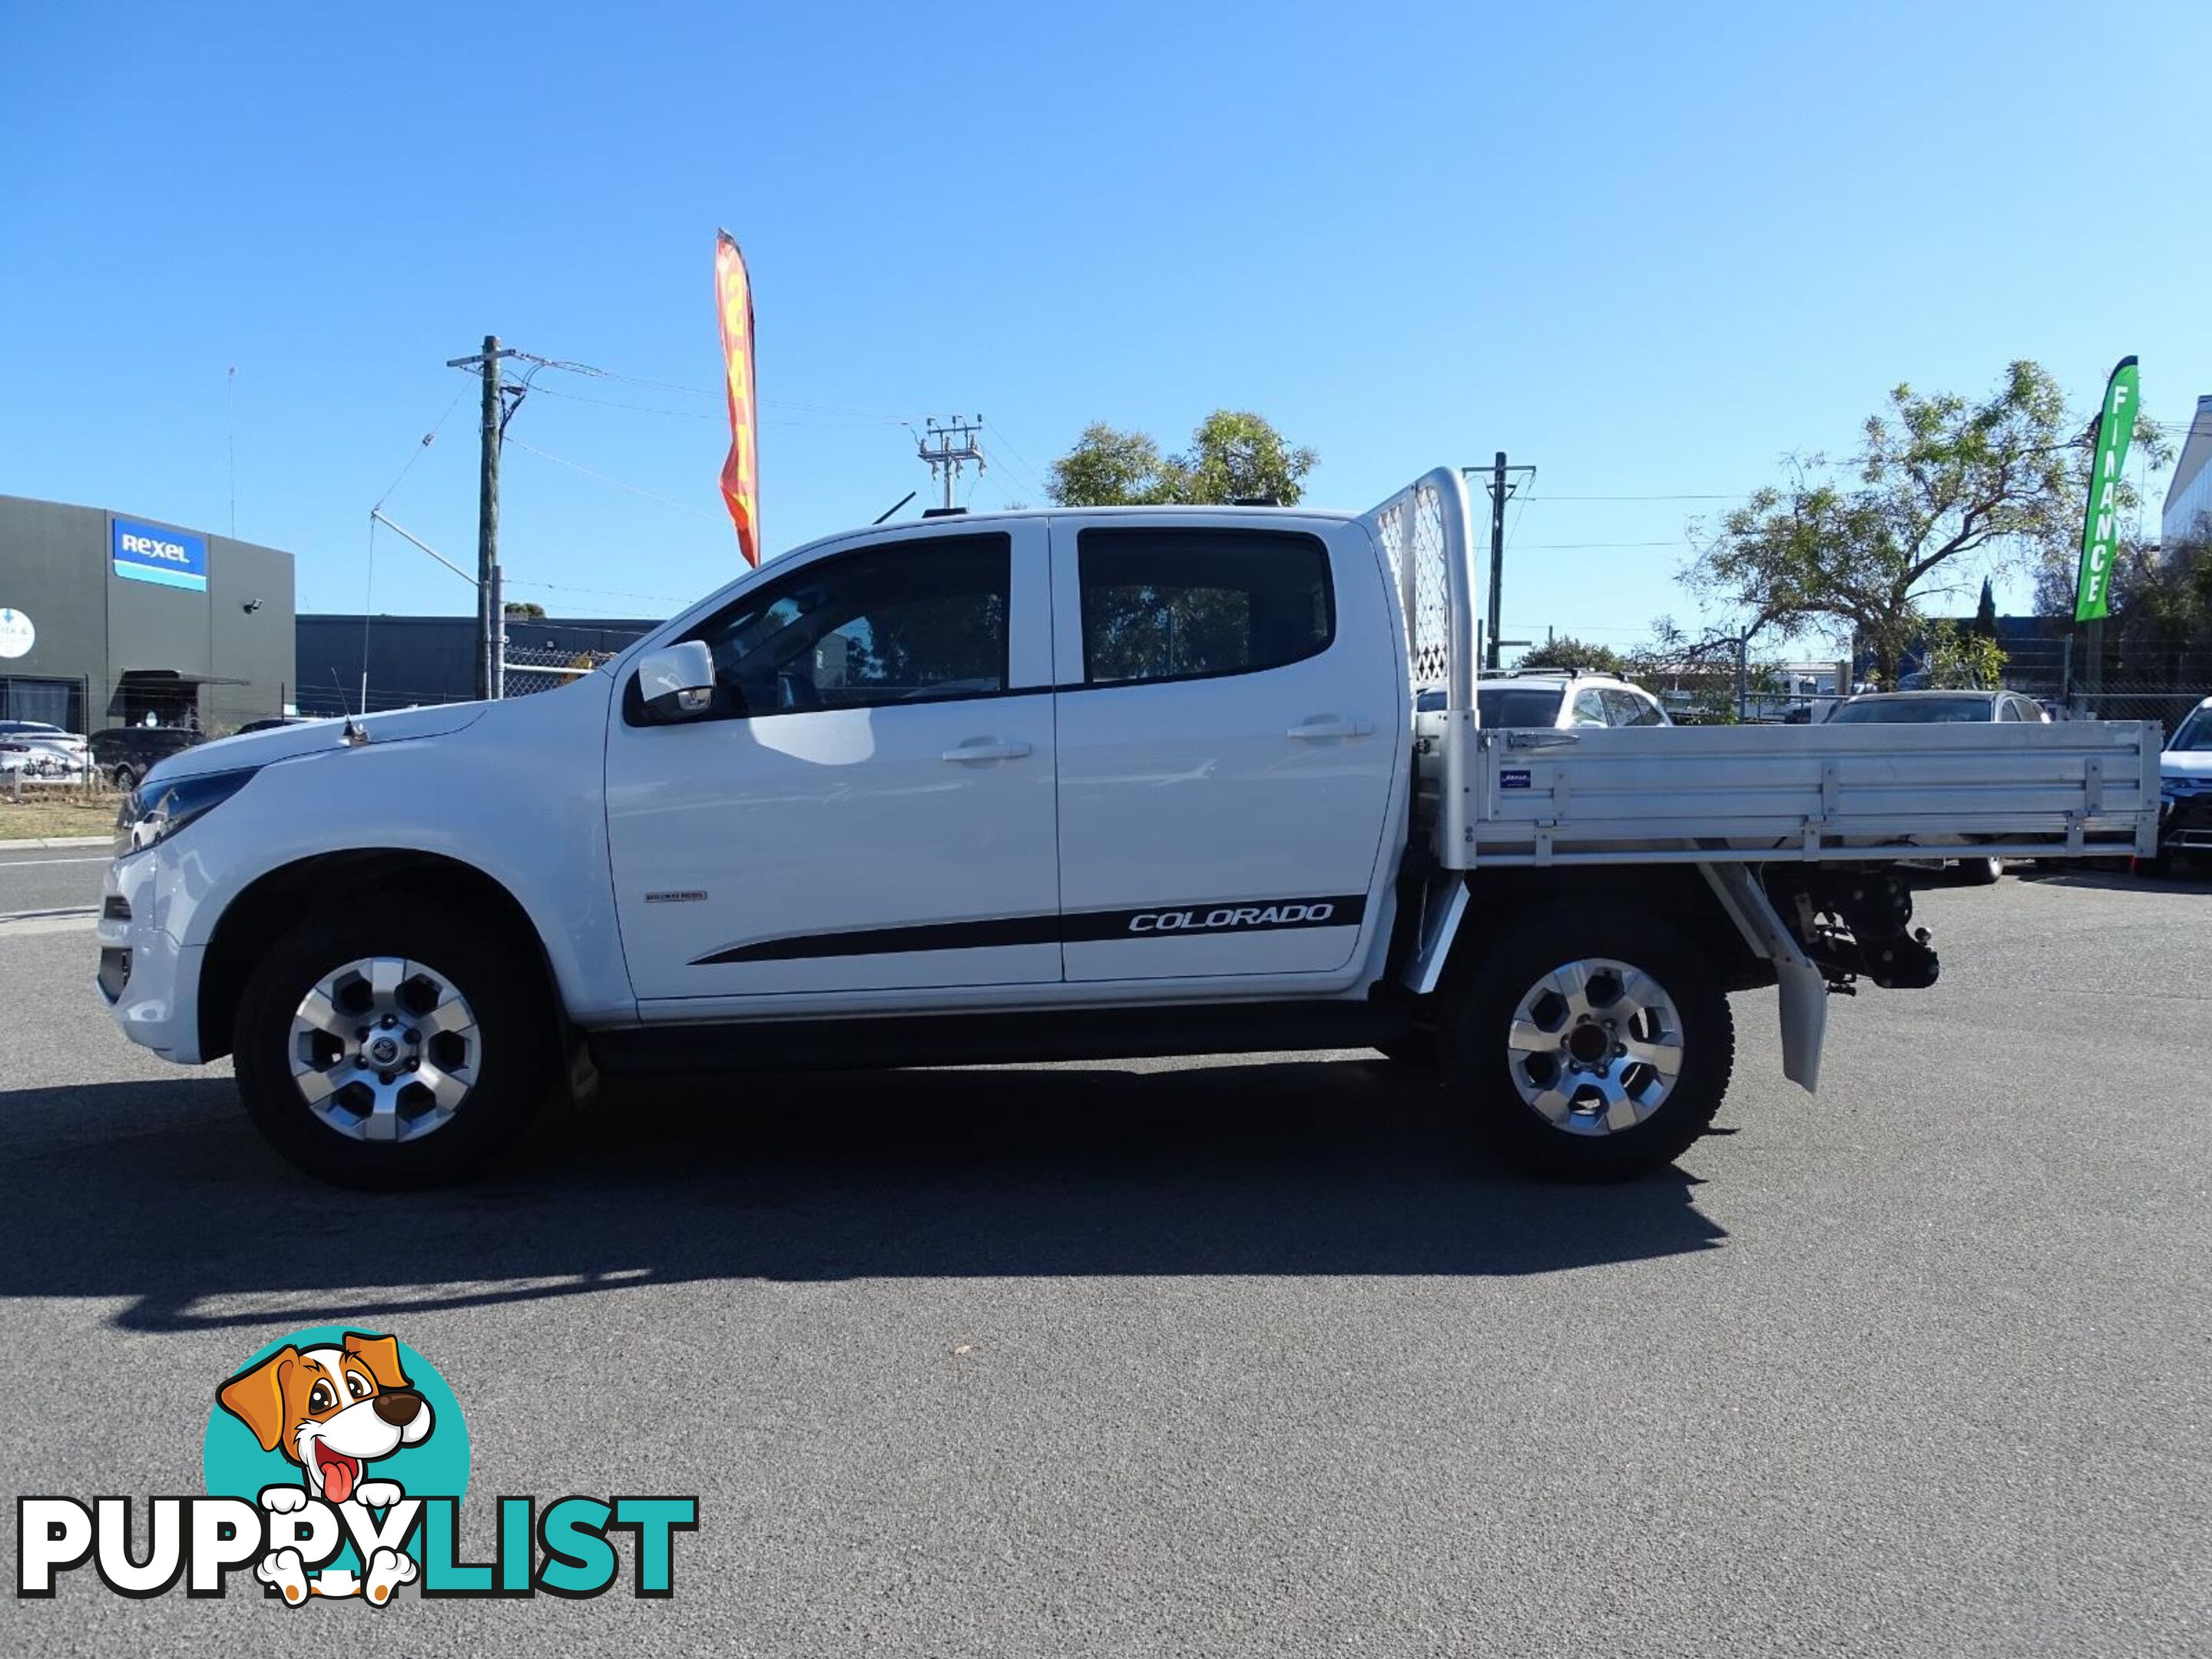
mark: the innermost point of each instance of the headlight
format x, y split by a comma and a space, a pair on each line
153, 811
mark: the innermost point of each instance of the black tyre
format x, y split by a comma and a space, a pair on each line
1981, 872
1589, 1044
387, 1044
126, 777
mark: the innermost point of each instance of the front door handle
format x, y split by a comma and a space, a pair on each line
987, 749
1331, 728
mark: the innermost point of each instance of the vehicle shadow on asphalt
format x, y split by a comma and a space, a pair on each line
2197, 880
1327, 1166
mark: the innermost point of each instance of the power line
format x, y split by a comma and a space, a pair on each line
577, 466
1036, 478
428, 439
1564, 547
602, 592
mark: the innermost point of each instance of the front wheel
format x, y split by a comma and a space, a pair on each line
1589, 1045
1981, 872
385, 1043
126, 777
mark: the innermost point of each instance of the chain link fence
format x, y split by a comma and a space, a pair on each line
527, 669
2142, 685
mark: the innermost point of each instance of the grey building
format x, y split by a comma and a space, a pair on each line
2186, 519
418, 659
107, 618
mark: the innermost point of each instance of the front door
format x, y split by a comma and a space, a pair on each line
866, 805
1231, 721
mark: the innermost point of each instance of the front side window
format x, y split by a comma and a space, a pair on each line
1165, 603
916, 621
1590, 708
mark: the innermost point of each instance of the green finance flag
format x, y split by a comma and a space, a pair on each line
2100, 533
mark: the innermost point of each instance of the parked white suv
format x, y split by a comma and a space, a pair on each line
1061, 784
1539, 698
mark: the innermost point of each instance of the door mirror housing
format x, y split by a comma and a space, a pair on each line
676, 681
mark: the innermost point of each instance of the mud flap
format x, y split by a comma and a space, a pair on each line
1803, 988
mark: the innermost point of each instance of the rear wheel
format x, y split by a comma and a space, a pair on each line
126, 777
1589, 1045
1981, 872
388, 1044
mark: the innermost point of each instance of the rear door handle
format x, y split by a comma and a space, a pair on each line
987, 749
1331, 728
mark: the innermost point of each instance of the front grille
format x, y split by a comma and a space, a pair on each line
115, 908
114, 971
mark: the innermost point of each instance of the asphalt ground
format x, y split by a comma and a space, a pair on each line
1247, 1357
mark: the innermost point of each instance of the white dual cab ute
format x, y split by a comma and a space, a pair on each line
1064, 784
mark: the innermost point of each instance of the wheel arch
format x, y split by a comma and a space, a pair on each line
1675, 893
278, 899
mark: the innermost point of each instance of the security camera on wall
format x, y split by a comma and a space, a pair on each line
253, 605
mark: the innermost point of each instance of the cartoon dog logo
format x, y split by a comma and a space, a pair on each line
333, 1411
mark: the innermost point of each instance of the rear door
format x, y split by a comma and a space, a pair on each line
1231, 718
868, 806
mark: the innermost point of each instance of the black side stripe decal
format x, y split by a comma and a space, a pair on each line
1262, 916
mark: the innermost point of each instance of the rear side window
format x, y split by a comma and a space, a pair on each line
1631, 708
1180, 604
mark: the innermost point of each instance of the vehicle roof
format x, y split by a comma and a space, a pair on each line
1912, 696
1545, 677
1172, 514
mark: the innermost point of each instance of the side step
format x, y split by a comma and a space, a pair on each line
985, 1039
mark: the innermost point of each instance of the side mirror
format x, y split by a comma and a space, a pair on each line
676, 681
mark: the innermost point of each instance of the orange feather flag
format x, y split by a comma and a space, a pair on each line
734, 301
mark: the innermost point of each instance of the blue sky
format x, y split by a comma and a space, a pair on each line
1649, 250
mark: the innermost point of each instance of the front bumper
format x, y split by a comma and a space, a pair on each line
2185, 821
149, 982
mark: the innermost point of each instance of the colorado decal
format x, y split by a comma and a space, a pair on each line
1081, 927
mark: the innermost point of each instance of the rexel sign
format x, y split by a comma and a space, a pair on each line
170, 557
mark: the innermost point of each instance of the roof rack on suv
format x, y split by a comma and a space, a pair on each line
1551, 673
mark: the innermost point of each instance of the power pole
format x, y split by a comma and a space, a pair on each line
1499, 489
946, 446
491, 427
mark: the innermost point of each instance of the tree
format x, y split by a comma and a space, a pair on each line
1961, 659
1943, 487
2161, 597
528, 609
1233, 455
1984, 625
1108, 468
1568, 652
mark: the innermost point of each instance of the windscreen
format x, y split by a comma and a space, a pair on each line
1911, 711
2195, 735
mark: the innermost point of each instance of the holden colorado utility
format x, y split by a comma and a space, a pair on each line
1068, 783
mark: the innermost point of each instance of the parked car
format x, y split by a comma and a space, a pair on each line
1945, 708
2185, 790
35, 746
1935, 707
1545, 699
124, 754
